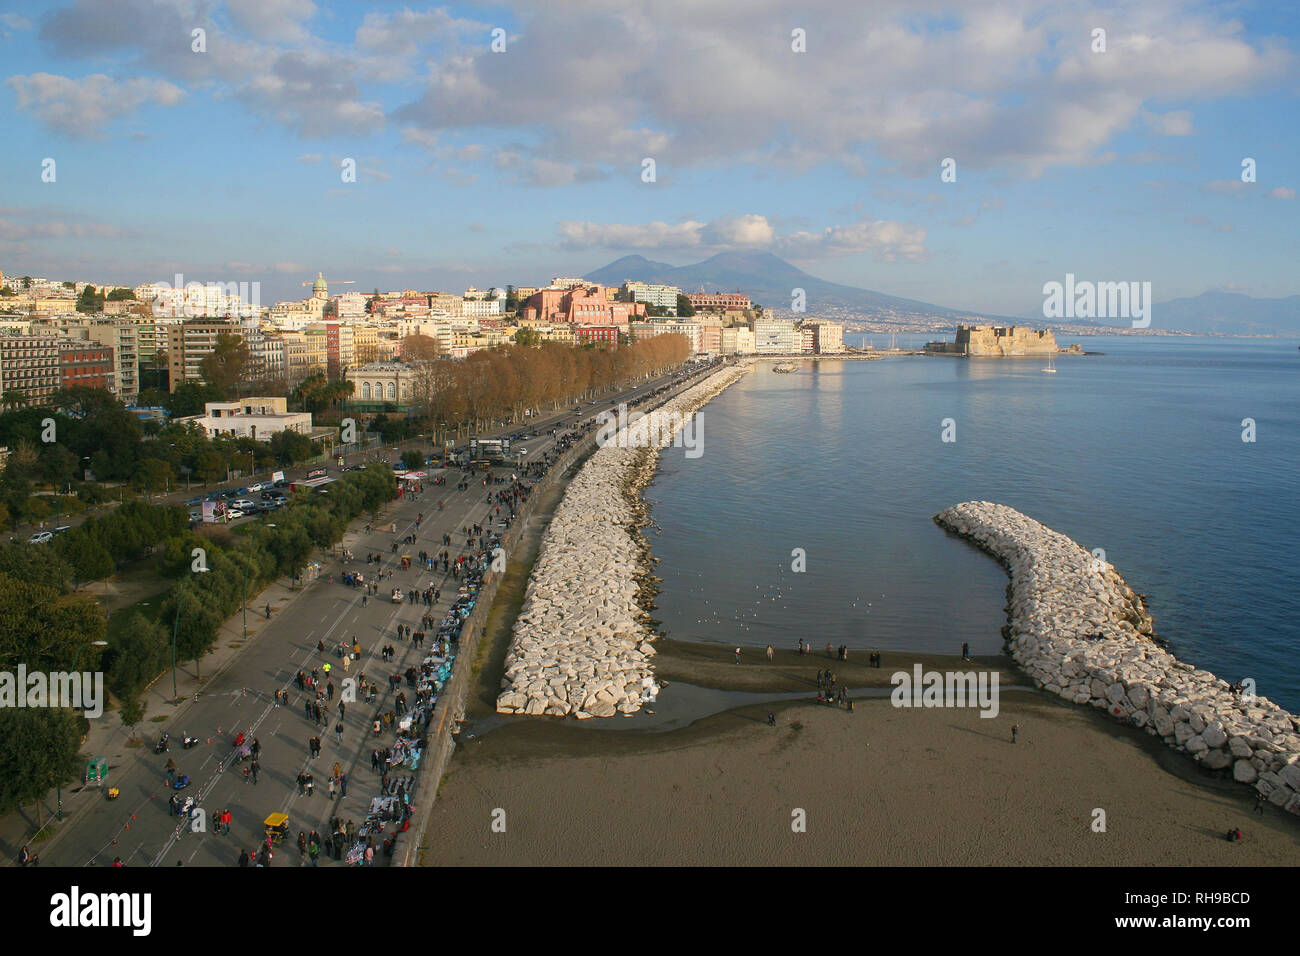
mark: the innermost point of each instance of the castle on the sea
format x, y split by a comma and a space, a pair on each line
998, 341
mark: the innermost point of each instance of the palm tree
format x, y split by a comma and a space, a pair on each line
13, 399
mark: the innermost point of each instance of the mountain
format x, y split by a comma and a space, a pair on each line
765, 278
768, 280
1229, 313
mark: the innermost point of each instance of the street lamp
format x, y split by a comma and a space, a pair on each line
176, 628
76, 659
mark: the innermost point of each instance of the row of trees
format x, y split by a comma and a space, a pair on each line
45, 625
502, 383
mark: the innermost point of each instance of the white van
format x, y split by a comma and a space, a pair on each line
41, 537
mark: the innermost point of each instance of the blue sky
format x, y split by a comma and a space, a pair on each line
482, 167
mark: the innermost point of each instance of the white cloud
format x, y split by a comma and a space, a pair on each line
1175, 123
1281, 192
889, 241
82, 107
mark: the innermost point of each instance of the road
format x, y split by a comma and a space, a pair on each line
138, 828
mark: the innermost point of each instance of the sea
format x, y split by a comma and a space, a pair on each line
806, 511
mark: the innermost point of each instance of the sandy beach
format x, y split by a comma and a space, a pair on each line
880, 786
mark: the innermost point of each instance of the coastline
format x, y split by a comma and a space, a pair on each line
581, 642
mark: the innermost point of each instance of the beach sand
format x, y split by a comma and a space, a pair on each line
879, 786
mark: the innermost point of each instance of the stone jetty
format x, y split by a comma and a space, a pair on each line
581, 644
1080, 632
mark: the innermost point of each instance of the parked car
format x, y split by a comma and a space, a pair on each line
40, 537
62, 528
255, 487
234, 513
244, 504
196, 515
282, 483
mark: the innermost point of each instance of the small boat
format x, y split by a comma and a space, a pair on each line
1051, 365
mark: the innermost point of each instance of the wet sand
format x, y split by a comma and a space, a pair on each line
879, 786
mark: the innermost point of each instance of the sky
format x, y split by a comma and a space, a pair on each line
508, 142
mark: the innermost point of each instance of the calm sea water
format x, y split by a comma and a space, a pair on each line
1138, 451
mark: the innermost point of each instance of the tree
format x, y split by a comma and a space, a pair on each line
224, 368
419, 348
131, 713
7, 292
190, 397
141, 650
38, 752
120, 294
13, 398
153, 475
90, 300
43, 629
412, 459
684, 307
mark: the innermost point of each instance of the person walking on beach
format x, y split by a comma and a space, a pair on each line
1260, 800
738, 655
771, 654
965, 651
771, 719
1015, 732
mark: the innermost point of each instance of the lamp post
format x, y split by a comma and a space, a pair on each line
76, 659
176, 629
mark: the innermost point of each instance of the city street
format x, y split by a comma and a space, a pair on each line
240, 697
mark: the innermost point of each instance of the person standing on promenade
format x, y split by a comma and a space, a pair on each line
1015, 732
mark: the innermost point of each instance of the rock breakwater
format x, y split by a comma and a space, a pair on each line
581, 645
1081, 632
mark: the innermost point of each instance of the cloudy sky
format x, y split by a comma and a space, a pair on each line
815, 130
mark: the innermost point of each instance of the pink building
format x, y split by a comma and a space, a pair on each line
579, 305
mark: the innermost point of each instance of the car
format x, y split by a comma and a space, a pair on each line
282, 483
196, 515
41, 537
234, 513
255, 487
62, 528
244, 504
194, 501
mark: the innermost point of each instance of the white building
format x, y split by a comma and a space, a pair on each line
660, 296
256, 418
777, 336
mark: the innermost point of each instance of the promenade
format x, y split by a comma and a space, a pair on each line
237, 694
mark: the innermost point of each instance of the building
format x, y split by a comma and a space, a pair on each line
719, 301
827, 337
382, 385
256, 418
710, 336
119, 334
997, 341
777, 336
481, 308
661, 296
85, 364
577, 305
737, 340
189, 343
596, 335
29, 365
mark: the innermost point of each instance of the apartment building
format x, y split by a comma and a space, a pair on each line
29, 365
256, 418
86, 364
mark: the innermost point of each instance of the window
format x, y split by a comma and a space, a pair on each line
365, 389
392, 389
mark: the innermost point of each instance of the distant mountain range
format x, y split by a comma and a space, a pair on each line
769, 279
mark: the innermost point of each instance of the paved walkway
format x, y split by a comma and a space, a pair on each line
236, 694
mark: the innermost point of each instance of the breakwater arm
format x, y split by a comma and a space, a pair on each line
1081, 632
580, 644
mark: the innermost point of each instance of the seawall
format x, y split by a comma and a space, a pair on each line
1080, 632
581, 643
